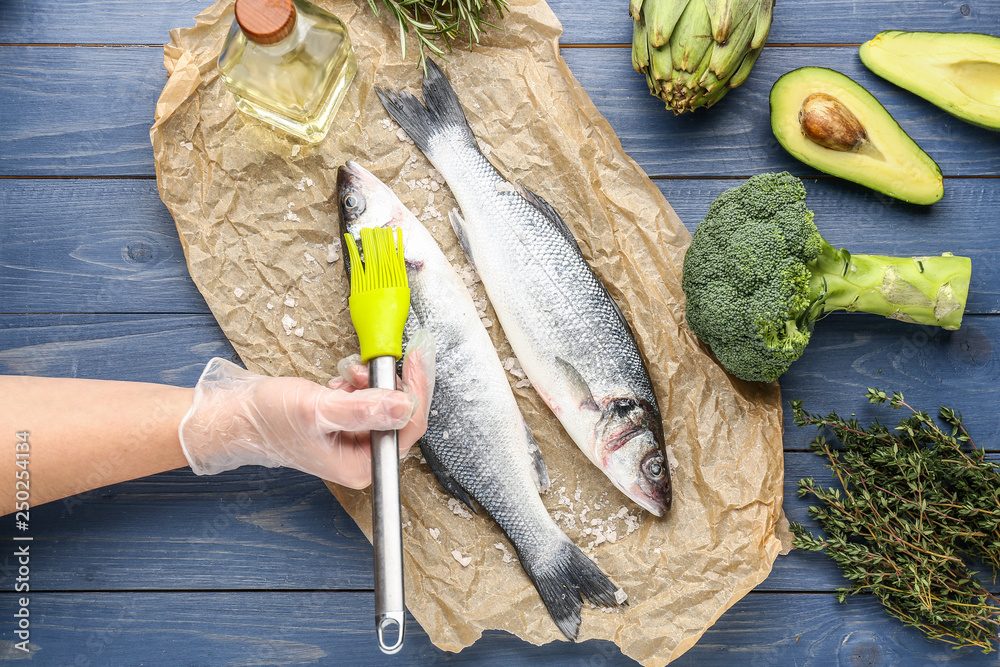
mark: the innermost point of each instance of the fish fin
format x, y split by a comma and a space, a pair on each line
444, 478
458, 225
539, 471
578, 385
550, 213
563, 580
442, 113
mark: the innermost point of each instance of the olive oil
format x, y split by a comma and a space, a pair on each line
288, 63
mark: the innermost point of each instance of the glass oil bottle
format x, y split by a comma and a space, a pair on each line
288, 63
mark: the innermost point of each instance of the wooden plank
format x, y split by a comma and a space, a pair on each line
98, 124
91, 246
804, 22
303, 628
274, 529
849, 352
96, 245
166, 349
734, 137
78, 111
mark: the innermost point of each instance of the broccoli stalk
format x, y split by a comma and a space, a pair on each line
758, 275
919, 290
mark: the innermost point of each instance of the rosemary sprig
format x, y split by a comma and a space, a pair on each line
438, 23
917, 504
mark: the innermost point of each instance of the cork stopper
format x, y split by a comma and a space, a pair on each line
265, 21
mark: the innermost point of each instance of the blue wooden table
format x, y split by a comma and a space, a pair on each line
259, 567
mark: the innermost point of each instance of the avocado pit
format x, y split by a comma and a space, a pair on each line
827, 122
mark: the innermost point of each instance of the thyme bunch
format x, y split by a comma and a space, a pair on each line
438, 23
918, 504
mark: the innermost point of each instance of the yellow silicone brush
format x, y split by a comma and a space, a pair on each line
380, 303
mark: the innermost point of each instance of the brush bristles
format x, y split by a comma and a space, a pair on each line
384, 264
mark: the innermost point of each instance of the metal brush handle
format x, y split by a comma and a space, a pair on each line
387, 522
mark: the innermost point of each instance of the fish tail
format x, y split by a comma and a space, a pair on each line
562, 581
442, 115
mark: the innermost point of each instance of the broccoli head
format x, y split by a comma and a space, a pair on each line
758, 274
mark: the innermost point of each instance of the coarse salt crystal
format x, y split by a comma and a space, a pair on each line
620, 596
507, 557
435, 532
671, 460
458, 508
333, 251
523, 384
463, 560
290, 302
188, 145
291, 216
298, 332
270, 306
295, 149
288, 323
309, 259
238, 292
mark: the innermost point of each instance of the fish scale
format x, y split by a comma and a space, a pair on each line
565, 329
476, 437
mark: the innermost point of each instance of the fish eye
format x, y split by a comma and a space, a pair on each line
654, 469
353, 205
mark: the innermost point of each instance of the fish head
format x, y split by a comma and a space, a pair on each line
364, 200
629, 448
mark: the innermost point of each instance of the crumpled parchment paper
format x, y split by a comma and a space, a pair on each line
258, 220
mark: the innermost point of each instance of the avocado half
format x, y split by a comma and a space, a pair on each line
958, 71
828, 121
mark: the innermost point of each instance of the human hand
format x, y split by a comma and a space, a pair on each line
239, 418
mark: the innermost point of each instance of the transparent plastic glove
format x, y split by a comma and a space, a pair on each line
354, 375
238, 418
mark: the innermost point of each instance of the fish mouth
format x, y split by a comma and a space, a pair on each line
654, 506
630, 457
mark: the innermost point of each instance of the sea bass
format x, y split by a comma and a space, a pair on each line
477, 443
568, 333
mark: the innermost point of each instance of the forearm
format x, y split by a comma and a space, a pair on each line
86, 434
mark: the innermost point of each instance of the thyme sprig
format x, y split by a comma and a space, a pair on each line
917, 504
438, 23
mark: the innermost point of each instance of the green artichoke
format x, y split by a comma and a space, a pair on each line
693, 51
